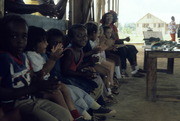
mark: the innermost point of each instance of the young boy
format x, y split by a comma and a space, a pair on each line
16, 86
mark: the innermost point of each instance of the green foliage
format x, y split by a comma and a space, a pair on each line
129, 28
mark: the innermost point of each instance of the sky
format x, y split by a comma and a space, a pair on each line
133, 10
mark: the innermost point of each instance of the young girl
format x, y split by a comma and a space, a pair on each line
15, 80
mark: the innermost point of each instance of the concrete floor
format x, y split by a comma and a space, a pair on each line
132, 104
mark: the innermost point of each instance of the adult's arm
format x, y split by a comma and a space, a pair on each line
22, 8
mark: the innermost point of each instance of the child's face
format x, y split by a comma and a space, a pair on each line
18, 37
41, 46
109, 19
80, 37
56, 41
108, 33
95, 36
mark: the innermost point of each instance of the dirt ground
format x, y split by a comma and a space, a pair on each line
132, 104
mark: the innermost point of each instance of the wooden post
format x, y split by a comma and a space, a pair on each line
103, 7
112, 5
1, 8
170, 65
71, 12
151, 78
109, 3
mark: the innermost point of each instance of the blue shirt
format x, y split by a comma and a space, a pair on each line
15, 73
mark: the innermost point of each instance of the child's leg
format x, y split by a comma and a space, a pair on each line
105, 74
11, 116
44, 110
57, 97
70, 103
117, 61
110, 66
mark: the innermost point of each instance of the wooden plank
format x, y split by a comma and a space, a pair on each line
168, 98
151, 78
1, 8
145, 60
164, 54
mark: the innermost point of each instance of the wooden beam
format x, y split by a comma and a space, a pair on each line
1, 8
163, 54
109, 3
113, 5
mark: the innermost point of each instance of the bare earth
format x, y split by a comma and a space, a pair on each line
132, 103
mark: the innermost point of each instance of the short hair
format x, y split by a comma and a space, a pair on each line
35, 36
103, 20
51, 33
73, 28
5, 30
114, 14
91, 28
106, 27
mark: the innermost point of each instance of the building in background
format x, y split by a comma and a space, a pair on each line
150, 21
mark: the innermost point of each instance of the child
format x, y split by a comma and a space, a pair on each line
15, 81
123, 53
71, 64
92, 30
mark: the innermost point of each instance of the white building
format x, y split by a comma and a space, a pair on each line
151, 21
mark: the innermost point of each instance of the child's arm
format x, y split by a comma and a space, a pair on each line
91, 62
65, 66
15, 93
96, 50
56, 53
121, 41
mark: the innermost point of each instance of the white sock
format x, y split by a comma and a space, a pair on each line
95, 105
86, 115
134, 72
137, 67
117, 71
109, 91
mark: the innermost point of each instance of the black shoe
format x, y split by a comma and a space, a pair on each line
103, 110
138, 75
141, 71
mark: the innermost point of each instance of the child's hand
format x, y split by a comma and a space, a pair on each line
97, 49
127, 39
89, 75
46, 85
94, 60
56, 52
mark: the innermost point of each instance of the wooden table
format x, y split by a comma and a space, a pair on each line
170, 64
151, 67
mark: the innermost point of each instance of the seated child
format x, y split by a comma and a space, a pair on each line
16, 85
123, 52
72, 60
